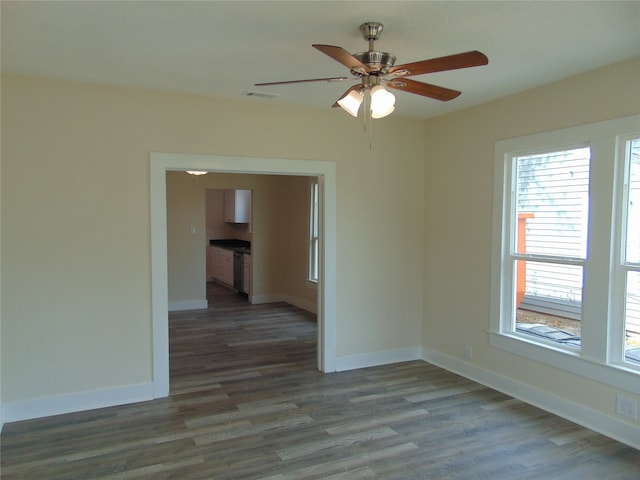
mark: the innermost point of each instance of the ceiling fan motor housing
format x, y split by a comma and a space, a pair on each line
378, 62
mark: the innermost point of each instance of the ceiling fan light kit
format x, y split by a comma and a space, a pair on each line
351, 102
382, 102
373, 68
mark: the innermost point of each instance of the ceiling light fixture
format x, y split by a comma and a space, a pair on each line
373, 67
196, 172
351, 102
381, 101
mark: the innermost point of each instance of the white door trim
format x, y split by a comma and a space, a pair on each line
160, 163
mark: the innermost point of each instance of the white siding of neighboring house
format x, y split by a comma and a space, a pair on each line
554, 188
633, 243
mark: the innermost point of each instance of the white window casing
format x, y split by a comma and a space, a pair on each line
601, 353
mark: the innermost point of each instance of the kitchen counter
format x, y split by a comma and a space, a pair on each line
241, 246
231, 263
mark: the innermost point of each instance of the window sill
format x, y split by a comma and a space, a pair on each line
571, 361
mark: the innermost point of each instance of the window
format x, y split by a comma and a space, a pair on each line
566, 249
630, 248
313, 233
549, 228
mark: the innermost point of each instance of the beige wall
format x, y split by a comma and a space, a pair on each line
186, 251
458, 215
294, 242
279, 237
76, 293
413, 236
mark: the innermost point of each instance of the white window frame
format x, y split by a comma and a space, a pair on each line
601, 289
621, 265
510, 213
314, 234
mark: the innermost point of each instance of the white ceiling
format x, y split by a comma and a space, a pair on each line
222, 48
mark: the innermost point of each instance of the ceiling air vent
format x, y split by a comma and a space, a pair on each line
260, 94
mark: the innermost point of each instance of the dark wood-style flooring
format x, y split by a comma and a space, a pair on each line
247, 402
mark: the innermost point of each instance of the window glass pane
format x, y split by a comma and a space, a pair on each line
552, 201
632, 318
549, 301
313, 234
633, 205
314, 273
314, 208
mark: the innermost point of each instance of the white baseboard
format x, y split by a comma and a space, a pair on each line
255, 299
605, 424
303, 304
266, 298
364, 360
277, 297
188, 305
75, 402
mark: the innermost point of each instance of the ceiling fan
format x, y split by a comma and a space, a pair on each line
376, 69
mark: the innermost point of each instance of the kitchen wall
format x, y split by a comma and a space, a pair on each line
280, 234
215, 225
458, 213
76, 282
294, 223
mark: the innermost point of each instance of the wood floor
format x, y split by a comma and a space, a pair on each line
247, 402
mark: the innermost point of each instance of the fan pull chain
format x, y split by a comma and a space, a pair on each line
367, 117
370, 131
364, 113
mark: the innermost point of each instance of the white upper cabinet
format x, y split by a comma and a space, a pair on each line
237, 206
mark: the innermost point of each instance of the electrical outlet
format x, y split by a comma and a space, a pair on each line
627, 407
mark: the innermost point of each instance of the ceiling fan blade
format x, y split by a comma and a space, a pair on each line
441, 64
424, 89
349, 90
345, 58
328, 79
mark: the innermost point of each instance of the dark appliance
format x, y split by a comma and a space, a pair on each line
238, 271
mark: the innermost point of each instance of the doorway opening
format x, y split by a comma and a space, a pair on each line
160, 163
228, 229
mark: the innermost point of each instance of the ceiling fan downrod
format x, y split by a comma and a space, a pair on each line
378, 62
371, 32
